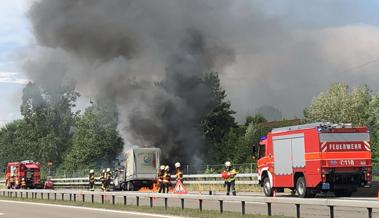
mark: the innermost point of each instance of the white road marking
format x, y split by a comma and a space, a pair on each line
1, 214
93, 209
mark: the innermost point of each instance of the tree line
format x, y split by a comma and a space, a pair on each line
51, 130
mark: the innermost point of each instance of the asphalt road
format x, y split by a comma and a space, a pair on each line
13, 209
308, 211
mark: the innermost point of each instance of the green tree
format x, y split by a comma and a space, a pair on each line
96, 140
48, 120
373, 123
340, 105
218, 123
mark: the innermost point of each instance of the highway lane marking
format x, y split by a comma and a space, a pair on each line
94, 209
1, 214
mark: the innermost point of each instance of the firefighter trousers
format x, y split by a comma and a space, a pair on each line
91, 185
231, 186
162, 187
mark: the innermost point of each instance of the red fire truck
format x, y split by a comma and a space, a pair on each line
24, 174
314, 158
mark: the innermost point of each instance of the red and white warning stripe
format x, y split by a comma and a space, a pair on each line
367, 146
324, 147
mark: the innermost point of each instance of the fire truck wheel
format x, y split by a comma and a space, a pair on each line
301, 188
267, 187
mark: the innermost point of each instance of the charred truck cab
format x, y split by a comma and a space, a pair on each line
314, 158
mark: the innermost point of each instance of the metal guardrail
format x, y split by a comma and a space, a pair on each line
297, 202
199, 179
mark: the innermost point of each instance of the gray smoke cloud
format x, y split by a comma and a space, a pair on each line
147, 56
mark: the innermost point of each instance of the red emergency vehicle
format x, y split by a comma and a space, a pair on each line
313, 158
24, 174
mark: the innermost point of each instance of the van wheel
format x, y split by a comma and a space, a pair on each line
343, 192
123, 187
301, 189
267, 187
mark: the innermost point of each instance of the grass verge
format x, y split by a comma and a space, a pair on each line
158, 210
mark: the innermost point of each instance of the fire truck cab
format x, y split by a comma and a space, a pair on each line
24, 174
314, 158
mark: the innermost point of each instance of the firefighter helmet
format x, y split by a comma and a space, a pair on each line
162, 167
228, 164
167, 168
177, 164
108, 170
91, 171
103, 171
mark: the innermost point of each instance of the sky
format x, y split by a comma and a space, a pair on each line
345, 32
15, 34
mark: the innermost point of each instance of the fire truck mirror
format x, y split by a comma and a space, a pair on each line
254, 151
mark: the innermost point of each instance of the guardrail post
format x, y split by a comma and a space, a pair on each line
74, 197
21, 194
151, 202
243, 207
137, 201
11, 194
62, 196
221, 206
55, 196
102, 199
298, 211
70, 197
42, 195
125, 200
113, 199
84, 197
369, 210
48, 196
15, 194
201, 204
268, 209
331, 211
92, 198
165, 203
27, 195
182, 201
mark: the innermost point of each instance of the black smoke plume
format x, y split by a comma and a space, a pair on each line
148, 56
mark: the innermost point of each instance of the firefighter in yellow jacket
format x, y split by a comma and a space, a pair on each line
167, 178
161, 173
178, 172
229, 175
102, 179
91, 178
